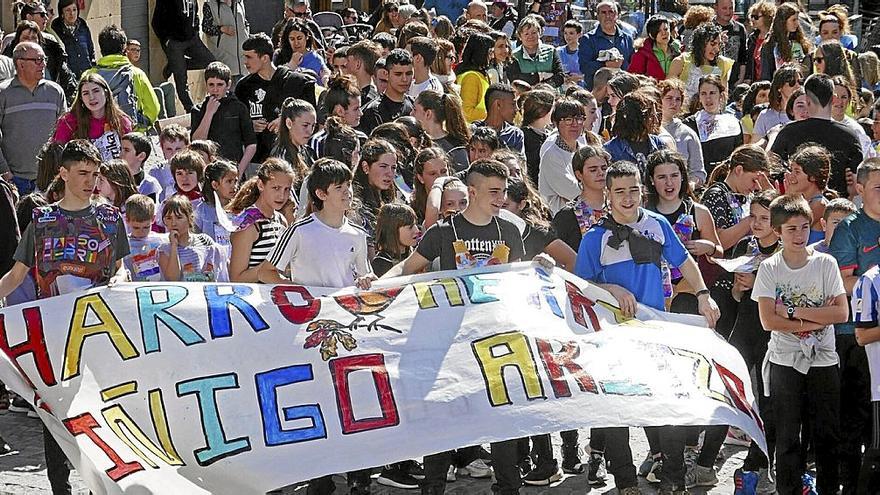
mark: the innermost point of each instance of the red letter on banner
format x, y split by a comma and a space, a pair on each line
35, 344
581, 304
737, 391
555, 362
86, 424
340, 368
297, 314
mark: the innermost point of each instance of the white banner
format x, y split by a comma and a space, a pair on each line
237, 389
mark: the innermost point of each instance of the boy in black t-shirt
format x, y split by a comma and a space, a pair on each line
224, 119
475, 237
394, 102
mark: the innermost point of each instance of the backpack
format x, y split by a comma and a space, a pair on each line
121, 82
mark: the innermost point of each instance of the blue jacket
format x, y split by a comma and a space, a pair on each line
594, 42
453, 9
620, 149
78, 44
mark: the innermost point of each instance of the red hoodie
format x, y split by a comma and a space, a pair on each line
644, 61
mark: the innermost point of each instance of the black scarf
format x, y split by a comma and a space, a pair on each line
641, 248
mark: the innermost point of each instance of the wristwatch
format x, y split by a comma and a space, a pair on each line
790, 312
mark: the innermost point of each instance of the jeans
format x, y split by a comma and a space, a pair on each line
618, 456
56, 465
505, 461
24, 186
177, 53
795, 396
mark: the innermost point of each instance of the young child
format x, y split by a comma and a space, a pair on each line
136, 149
835, 211
172, 139
115, 183
225, 119
207, 149
749, 337
143, 262
453, 198
568, 54
220, 177
188, 256
397, 231
188, 168
800, 294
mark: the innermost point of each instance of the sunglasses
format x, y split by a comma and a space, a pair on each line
796, 82
755, 17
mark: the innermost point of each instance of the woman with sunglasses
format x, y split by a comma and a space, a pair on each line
761, 17
390, 20
786, 81
831, 58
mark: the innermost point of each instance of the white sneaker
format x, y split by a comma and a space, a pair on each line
477, 469
450, 474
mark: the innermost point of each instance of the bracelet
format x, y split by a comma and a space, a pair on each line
701, 292
802, 323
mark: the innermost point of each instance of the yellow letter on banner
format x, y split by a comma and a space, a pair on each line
117, 418
79, 331
499, 351
425, 294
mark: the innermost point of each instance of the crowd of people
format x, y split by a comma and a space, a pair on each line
458, 135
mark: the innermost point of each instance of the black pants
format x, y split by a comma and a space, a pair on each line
869, 476
795, 395
198, 58
506, 456
542, 450
855, 409
56, 465
436, 466
618, 456
753, 346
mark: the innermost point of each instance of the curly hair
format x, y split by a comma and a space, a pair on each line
298, 25
704, 35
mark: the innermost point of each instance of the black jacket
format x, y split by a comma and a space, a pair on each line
176, 19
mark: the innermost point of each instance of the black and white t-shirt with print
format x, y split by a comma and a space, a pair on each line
478, 240
728, 209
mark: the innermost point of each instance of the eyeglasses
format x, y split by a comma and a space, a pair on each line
37, 60
573, 120
755, 17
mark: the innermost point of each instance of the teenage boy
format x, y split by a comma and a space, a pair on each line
568, 53
820, 128
800, 294
835, 211
172, 139
133, 51
622, 254
424, 51
224, 119
73, 220
265, 88
361, 63
325, 249
136, 149
188, 168
750, 338
484, 141
143, 262
487, 239
339, 61
500, 102
394, 102
854, 245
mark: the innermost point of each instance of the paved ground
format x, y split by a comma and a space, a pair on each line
24, 472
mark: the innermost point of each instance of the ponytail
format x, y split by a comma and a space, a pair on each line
249, 192
447, 108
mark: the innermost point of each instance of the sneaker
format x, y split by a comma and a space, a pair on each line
525, 466
735, 436
19, 405
646, 465
673, 491
701, 476
543, 475
745, 482
766, 482
477, 469
809, 483
571, 461
656, 472
596, 470
691, 454
413, 468
450, 474
630, 490
397, 478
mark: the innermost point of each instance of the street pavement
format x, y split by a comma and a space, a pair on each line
24, 472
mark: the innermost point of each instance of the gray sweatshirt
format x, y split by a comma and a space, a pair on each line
27, 120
